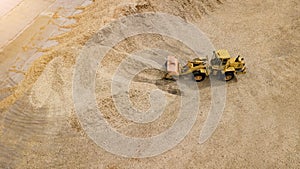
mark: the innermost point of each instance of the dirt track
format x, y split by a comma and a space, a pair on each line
260, 124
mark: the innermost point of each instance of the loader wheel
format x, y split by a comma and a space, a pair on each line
229, 76
199, 76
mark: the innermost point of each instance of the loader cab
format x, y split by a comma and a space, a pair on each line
198, 62
220, 58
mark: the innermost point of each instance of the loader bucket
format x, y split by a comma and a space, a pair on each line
172, 66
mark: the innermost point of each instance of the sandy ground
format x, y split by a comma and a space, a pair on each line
260, 124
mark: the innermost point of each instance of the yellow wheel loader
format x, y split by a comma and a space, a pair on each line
197, 66
222, 65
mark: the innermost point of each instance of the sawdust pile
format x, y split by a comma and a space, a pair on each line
91, 20
260, 124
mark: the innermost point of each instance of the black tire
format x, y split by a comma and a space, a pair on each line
198, 77
229, 76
